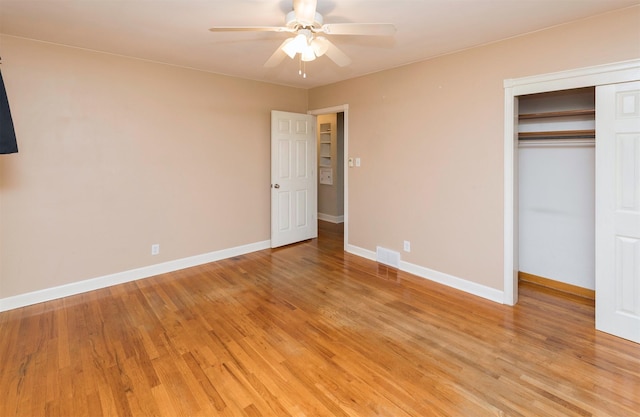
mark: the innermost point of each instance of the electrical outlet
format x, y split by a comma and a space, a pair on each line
407, 246
155, 249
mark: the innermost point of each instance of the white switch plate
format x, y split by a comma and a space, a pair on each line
357, 162
407, 246
351, 162
155, 249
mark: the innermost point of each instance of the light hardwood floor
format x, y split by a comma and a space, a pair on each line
308, 330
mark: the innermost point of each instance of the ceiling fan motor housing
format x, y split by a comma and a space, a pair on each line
291, 21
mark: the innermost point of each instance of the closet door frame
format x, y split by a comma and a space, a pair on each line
583, 77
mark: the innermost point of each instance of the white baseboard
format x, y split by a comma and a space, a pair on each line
363, 253
330, 218
439, 277
74, 288
66, 290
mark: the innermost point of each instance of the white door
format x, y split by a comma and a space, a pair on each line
294, 197
618, 210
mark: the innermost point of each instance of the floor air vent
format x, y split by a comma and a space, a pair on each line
388, 257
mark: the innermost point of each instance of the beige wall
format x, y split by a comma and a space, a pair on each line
117, 154
430, 136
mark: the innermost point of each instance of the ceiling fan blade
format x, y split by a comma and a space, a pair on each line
250, 29
374, 29
277, 57
305, 11
336, 55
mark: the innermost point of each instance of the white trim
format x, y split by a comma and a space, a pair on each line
345, 109
327, 110
582, 77
510, 238
363, 253
617, 72
461, 284
330, 218
74, 288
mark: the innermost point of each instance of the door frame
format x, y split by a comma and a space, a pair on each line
618, 72
343, 108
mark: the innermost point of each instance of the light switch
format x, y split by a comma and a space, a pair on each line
357, 162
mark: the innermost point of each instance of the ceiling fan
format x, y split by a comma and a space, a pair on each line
309, 27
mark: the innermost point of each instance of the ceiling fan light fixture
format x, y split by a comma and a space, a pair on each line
288, 48
308, 55
298, 45
320, 46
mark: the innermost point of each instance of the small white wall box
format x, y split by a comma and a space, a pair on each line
326, 176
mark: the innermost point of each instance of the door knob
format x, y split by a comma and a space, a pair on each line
276, 186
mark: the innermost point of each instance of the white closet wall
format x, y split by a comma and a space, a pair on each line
557, 191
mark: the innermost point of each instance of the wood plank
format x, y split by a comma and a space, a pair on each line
311, 330
562, 113
588, 133
557, 285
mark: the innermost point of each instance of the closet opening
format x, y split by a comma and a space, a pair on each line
556, 190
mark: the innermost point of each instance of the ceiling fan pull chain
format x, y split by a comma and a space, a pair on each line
302, 67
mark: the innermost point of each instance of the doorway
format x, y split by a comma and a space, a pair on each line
338, 170
330, 149
617, 168
556, 190
585, 77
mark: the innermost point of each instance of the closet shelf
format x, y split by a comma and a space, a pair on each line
563, 113
590, 133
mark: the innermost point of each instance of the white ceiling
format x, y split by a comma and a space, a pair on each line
176, 31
